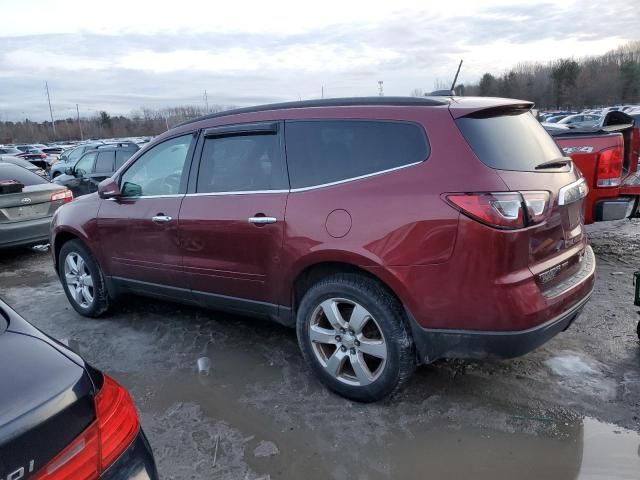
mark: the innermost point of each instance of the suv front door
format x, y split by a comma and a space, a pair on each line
139, 230
232, 221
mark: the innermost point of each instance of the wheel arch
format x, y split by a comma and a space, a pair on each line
314, 272
61, 237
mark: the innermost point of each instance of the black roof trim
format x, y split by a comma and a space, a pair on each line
329, 102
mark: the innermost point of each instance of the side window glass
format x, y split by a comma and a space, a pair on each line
159, 170
122, 156
85, 164
321, 152
104, 164
242, 163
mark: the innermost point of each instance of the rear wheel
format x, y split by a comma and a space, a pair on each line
352, 334
82, 279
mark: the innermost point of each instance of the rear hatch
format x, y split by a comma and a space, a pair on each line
511, 141
32, 203
47, 399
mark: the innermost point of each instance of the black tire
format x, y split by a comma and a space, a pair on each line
56, 175
100, 302
389, 320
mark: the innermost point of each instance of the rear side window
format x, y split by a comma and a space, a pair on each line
509, 142
321, 152
242, 163
9, 171
104, 163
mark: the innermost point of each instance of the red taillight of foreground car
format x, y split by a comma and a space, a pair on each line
117, 420
609, 172
66, 195
506, 210
102, 442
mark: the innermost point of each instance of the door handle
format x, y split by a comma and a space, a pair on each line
262, 220
161, 219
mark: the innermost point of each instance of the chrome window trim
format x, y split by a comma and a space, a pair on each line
243, 192
173, 195
338, 182
563, 191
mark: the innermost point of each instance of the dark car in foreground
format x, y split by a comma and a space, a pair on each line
94, 166
60, 418
25, 216
387, 230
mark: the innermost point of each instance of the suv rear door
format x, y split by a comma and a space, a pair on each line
232, 219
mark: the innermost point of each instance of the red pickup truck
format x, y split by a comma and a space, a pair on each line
608, 157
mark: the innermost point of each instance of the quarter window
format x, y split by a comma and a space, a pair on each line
320, 152
242, 163
159, 170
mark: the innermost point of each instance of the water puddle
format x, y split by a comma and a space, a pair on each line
202, 426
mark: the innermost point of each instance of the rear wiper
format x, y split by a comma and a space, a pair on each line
558, 162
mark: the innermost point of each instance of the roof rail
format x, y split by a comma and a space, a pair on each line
327, 102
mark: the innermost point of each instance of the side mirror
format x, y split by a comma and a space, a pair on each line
69, 171
108, 188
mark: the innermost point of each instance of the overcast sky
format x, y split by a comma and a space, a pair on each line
120, 55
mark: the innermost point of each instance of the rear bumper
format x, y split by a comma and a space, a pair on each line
613, 209
29, 232
136, 463
433, 344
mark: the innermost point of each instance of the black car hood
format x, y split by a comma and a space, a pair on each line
46, 396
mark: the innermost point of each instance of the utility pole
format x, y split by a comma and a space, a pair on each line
206, 102
380, 88
79, 124
53, 125
322, 92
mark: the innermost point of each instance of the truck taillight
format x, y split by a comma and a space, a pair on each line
66, 195
609, 172
102, 442
505, 210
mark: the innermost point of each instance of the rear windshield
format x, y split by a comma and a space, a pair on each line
509, 142
13, 172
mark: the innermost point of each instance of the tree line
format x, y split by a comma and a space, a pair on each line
598, 81
139, 123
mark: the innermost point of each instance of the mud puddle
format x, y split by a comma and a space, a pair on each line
216, 429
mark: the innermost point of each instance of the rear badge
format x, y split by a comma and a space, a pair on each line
570, 150
552, 272
25, 200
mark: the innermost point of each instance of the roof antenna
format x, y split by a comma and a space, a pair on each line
447, 93
455, 79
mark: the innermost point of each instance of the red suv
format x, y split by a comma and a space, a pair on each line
388, 231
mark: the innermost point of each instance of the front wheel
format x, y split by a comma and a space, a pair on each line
352, 334
82, 280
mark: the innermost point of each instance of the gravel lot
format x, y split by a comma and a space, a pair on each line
570, 409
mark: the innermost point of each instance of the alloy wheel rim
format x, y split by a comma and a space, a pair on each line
79, 281
348, 342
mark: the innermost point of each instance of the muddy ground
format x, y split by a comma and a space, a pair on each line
571, 409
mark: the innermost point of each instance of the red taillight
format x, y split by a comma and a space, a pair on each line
66, 195
117, 420
102, 442
43, 155
509, 210
609, 173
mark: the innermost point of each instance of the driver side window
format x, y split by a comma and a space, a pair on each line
158, 171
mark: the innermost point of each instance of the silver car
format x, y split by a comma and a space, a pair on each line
25, 216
